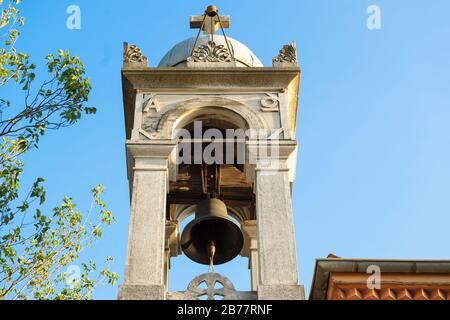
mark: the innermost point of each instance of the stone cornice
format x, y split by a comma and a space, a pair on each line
189, 78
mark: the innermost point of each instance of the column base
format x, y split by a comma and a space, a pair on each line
142, 292
281, 292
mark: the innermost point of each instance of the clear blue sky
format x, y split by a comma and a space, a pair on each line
374, 164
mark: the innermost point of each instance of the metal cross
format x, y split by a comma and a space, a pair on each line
211, 24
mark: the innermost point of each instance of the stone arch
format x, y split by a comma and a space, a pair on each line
180, 114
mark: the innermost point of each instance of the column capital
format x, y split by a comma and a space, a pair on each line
150, 155
263, 149
151, 149
272, 155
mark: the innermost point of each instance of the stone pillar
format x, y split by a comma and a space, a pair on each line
145, 262
249, 228
172, 247
166, 267
278, 273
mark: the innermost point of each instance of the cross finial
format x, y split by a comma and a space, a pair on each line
210, 21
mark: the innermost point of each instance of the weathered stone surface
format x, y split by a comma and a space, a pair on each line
216, 286
142, 292
145, 257
133, 57
145, 262
287, 56
277, 254
278, 274
281, 292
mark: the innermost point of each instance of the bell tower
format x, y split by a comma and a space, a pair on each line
211, 133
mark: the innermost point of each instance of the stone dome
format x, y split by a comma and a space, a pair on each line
178, 55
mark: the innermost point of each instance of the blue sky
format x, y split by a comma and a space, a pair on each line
374, 165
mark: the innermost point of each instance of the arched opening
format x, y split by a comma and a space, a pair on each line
221, 176
199, 180
212, 117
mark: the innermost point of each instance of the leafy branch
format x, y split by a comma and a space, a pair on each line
35, 246
52, 244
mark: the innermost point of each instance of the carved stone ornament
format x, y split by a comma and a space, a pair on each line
211, 286
133, 55
151, 104
211, 52
287, 55
270, 104
160, 116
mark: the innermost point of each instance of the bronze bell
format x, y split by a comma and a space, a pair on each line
212, 227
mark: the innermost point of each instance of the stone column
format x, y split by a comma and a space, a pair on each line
166, 267
172, 247
249, 229
145, 262
278, 273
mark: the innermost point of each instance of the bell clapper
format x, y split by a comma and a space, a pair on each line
212, 253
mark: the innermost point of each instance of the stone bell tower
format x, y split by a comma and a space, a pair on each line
208, 93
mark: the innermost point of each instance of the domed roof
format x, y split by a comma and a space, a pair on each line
178, 55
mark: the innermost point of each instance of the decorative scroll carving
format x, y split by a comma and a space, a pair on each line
287, 55
270, 104
215, 287
211, 52
133, 55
